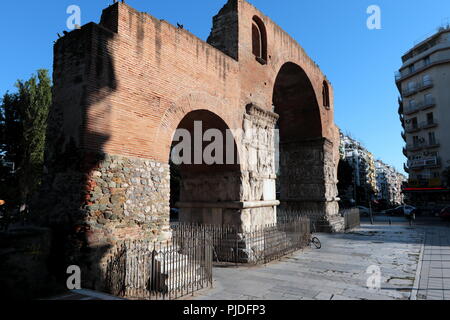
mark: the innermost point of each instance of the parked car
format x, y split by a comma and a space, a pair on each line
395, 211
364, 211
445, 213
408, 210
404, 210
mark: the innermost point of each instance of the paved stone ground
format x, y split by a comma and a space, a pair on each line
434, 281
336, 272
84, 294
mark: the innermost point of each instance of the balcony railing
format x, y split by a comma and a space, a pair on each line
414, 147
404, 136
425, 181
422, 145
411, 109
426, 104
406, 168
400, 75
417, 88
432, 144
428, 124
429, 162
425, 85
412, 128
409, 91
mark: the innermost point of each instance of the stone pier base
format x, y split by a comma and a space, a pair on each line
243, 215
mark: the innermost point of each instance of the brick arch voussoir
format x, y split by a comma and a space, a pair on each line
315, 76
180, 108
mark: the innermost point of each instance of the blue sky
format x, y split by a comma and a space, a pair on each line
359, 62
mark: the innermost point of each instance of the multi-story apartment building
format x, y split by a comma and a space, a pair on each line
389, 184
363, 164
424, 84
375, 179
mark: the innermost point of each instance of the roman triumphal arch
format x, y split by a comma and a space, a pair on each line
124, 86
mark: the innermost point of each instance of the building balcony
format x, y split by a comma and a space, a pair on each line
405, 167
433, 162
417, 88
427, 104
411, 109
428, 124
424, 105
400, 106
412, 128
425, 85
409, 91
432, 144
422, 145
419, 67
414, 147
425, 182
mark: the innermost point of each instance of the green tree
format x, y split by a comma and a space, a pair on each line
345, 175
23, 128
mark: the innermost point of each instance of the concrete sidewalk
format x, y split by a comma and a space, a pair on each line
434, 281
336, 272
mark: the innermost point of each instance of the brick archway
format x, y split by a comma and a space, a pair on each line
209, 189
121, 89
306, 175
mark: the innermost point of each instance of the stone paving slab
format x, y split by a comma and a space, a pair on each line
336, 272
434, 281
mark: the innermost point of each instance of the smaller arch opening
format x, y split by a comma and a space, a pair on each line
259, 40
326, 95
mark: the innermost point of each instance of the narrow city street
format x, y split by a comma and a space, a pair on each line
404, 256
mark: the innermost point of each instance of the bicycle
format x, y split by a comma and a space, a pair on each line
314, 240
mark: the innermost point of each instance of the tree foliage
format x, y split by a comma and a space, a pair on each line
345, 175
23, 125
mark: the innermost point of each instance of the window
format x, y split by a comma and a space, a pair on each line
426, 80
259, 40
416, 141
430, 118
412, 103
411, 68
426, 61
428, 98
411, 86
326, 95
414, 123
432, 138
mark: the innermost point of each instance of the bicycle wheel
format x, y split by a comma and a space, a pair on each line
316, 242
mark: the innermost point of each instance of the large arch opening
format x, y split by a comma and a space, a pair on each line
205, 171
300, 156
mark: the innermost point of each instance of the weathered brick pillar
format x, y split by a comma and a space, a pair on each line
308, 182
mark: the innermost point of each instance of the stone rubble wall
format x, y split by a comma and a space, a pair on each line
130, 198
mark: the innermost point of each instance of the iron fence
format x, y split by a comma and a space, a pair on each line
352, 218
161, 271
166, 271
257, 245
